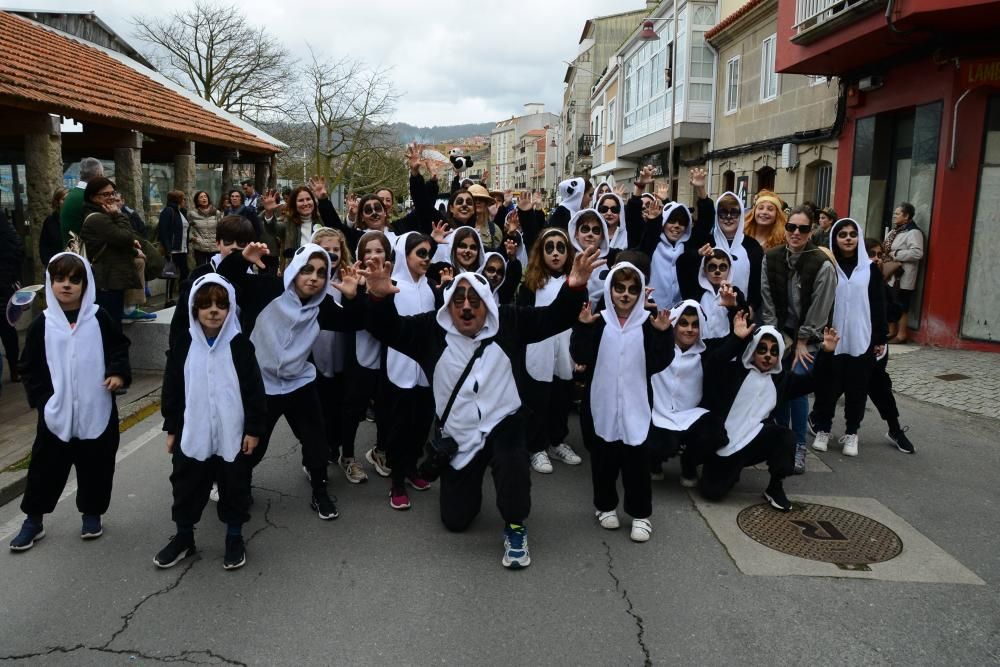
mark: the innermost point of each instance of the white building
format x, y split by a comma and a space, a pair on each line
507, 142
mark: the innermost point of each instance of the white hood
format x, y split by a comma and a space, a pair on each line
756, 398
620, 239
414, 297
482, 272
677, 389
663, 267
739, 272
571, 193
716, 324
595, 285
851, 307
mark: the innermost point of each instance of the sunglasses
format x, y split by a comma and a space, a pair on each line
619, 288
463, 294
801, 229
422, 253
373, 210
555, 246
712, 267
847, 235
763, 348
493, 271
729, 213
590, 229
463, 201
678, 223
609, 209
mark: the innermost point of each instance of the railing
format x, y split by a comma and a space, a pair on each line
811, 13
585, 145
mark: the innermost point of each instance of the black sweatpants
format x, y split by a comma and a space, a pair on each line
505, 452
365, 385
607, 461
880, 391
548, 404
304, 414
331, 397
51, 459
695, 445
412, 412
774, 444
192, 482
848, 377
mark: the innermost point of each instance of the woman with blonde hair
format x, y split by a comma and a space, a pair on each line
765, 222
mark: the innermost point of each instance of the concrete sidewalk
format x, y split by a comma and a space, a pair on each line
956, 379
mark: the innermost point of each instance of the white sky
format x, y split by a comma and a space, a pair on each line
453, 61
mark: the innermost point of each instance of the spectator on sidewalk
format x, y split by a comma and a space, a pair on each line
50, 239
235, 204
765, 222
825, 219
904, 245
11, 263
251, 198
71, 214
204, 219
173, 231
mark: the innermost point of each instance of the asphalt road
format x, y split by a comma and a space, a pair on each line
382, 587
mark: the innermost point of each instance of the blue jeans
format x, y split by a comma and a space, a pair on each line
794, 413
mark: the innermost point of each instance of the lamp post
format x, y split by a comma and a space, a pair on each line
649, 34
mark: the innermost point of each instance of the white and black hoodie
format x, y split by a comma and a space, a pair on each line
664, 270
858, 307
414, 297
677, 390
571, 199
595, 288
718, 318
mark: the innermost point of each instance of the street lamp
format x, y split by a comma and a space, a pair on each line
648, 34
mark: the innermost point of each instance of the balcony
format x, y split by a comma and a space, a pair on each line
585, 145
815, 18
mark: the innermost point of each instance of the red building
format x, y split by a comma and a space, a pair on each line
921, 124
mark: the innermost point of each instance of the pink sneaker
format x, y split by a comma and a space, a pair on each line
418, 483
398, 500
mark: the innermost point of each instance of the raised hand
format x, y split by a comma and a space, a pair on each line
742, 326
662, 193
583, 265
439, 231
536, 200
318, 186
645, 176
513, 222
269, 201
254, 252
349, 279
661, 321
620, 190
830, 339
508, 197
447, 275
524, 202
699, 177
587, 315
510, 246
649, 304
706, 250
378, 278
352, 206
413, 153
727, 296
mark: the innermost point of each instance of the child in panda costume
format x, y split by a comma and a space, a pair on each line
213, 409
575, 195
75, 357
466, 350
622, 347
720, 300
587, 229
503, 275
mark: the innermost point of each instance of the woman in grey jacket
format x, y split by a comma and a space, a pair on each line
905, 244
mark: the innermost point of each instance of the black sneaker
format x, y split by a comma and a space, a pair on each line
370, 414
775, 494
29, 534
236, 553
902, 443
178, 548
92, 527
324, 505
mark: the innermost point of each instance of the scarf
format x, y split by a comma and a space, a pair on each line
677, 389
756, 397
213, 403
852, 315
489, 394
80, 405
739, 270
663, 268
286, 330
414, 297
618, 395
716, 324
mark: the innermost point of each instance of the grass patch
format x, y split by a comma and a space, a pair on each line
20, 465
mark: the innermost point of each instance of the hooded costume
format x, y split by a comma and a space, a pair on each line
718, 318
663, 266
595, 288
445, 251
504, 292
620, 239
571, 193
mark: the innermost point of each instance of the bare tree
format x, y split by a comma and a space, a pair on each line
213, 50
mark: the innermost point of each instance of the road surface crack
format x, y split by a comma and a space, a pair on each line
640, 624
268, 523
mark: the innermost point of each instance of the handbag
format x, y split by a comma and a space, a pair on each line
169, 271
891, 268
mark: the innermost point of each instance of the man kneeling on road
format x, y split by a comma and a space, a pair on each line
465, 349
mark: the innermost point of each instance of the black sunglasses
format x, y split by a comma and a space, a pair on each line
763, 348
801, 229
463, 201
729, 213
555, 246
609, 209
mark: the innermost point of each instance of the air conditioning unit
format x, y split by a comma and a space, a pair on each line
873, 82
789, 156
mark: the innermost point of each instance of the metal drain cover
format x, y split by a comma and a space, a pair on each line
821, 532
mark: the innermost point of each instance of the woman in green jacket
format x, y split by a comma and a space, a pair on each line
111, 244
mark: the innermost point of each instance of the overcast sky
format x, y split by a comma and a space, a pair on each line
453, 61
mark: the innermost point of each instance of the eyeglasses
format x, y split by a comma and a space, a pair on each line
555, 246
373, 210
712, 267
422, 253
493, 271
729, 213
590, 229
106, 195
463, 201
801, 229
609, 209
619, 288
847, 234
463, 294
763, 348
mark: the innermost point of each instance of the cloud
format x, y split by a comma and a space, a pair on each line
452, 62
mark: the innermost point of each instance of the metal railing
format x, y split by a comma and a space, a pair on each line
586, 144
810, 13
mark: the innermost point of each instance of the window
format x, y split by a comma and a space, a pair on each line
645, 89
728, 181
611, 121
820, 176
702, 64
733, 85
816, 80
765, 179
768, 77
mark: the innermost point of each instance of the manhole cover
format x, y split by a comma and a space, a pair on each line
821, 532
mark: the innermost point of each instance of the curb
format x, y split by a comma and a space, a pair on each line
12, 484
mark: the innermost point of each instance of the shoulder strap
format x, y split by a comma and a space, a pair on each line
462, 378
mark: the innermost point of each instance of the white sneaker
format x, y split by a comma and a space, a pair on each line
641, 530
821, 441
563, 452
850, 443
540, 462
213, 495
608, 520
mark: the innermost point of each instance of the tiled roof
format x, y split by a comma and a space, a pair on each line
732, 18
45, 70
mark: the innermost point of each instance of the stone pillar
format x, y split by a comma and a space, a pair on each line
272, 179
43, 170
227, 176
184, 172
261, 175
128, 171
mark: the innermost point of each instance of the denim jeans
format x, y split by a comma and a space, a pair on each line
794, 413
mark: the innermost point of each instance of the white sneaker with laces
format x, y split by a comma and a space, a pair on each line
563, 452
608, 520
540, 463
850, 443
821, 442
641, 530
213, 495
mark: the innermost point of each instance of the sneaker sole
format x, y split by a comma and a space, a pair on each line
184, 554
91, 536
30, 544
383, 472
896, 445
775, 504
235, 566
401, 508
688, 483
516, 564
418, 488
326, 517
